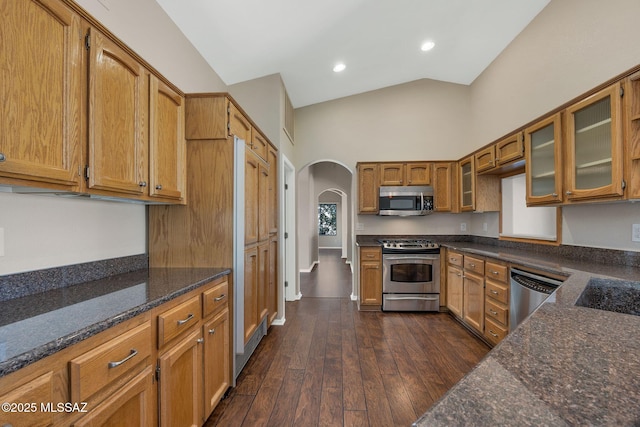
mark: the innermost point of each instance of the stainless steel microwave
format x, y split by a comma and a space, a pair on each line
405, 201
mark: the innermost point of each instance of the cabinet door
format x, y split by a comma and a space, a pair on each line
486, 159
251, 271
238, 124
132, 405
216, 360
370, 276
118, 103
42, 75
594, 146
368, 188
167, 146
473, 301
454, 290
392, 174
273, 190
467, 184
418, 173
180, 385
272, 294
632, 135
263, 280
37, 390
442, 186
251, 197
259, 143
264, 217
510, 149
543, 144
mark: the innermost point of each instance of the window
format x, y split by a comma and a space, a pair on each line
520, 222
328, 219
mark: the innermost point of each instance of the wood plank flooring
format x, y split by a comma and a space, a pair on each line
331, 365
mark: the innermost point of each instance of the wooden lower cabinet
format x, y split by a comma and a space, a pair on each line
454, 290
217, 377
181, 381
37, 390
130, 406
251, 271
370, 278
496, 302
473, 300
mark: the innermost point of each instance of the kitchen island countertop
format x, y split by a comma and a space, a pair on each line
33, 327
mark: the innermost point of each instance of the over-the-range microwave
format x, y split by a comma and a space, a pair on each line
405, 201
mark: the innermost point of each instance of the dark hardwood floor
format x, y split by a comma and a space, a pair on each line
331, 365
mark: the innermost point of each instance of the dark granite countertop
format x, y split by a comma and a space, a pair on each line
564, 365
33, 327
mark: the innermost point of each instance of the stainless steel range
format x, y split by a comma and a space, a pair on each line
410, 275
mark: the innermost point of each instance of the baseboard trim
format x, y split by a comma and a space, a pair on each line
303, 270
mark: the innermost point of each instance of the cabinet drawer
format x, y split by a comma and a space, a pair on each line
474, 264
173, 322
97, 368
454, 258
496, 312
370, 254
215, 298
493, 331
497, 272
497, 291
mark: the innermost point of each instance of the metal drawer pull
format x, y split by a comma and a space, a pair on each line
2, 157
412, 298
495, 272
182, 322
495, 313
494, 292
200, 340
212, 331
493, 333
116, 364
220, 298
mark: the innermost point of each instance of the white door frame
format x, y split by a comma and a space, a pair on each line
288, 225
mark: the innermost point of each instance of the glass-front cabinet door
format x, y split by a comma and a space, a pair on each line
467, 184
594, 146
543, 147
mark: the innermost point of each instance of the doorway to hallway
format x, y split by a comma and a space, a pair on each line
330, 278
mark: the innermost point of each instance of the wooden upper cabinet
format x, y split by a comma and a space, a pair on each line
443, 186
118, 102
259, 143
239, 125
632, 135
368, 188
167, 147
543, 148
273, 189
252, 170
467, 181
510, 149
418, 173
207, 117
264, 218
392, 174
486, 159
42, 75
594, 146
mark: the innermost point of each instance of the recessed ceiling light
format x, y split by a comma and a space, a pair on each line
339, 67
427, 46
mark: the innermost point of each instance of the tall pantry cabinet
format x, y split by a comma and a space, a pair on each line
201, 234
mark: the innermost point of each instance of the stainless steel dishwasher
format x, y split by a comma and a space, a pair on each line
528, 291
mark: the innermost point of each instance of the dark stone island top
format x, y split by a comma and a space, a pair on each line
566, 365
38, 325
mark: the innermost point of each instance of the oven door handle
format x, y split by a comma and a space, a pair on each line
388, 298
410, 258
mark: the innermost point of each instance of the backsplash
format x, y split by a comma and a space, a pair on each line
33, 282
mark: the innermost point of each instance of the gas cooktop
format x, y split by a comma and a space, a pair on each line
409, 246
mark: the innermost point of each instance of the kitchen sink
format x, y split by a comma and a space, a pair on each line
619, 296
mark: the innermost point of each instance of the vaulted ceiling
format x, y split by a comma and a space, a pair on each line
379, 41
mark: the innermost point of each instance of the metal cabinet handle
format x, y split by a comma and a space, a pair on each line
2, 157
495, 272
493, 333
158, 187
212, 331
142, 183
554, 194
472, 265
568, 193
116, 364
495, 313
220, 298
494, 292
459, 274
200, 340
182, 322
453, 259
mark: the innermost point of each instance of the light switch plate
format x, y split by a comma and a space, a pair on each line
635, 233
463, 226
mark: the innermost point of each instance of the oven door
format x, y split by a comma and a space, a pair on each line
411, 273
